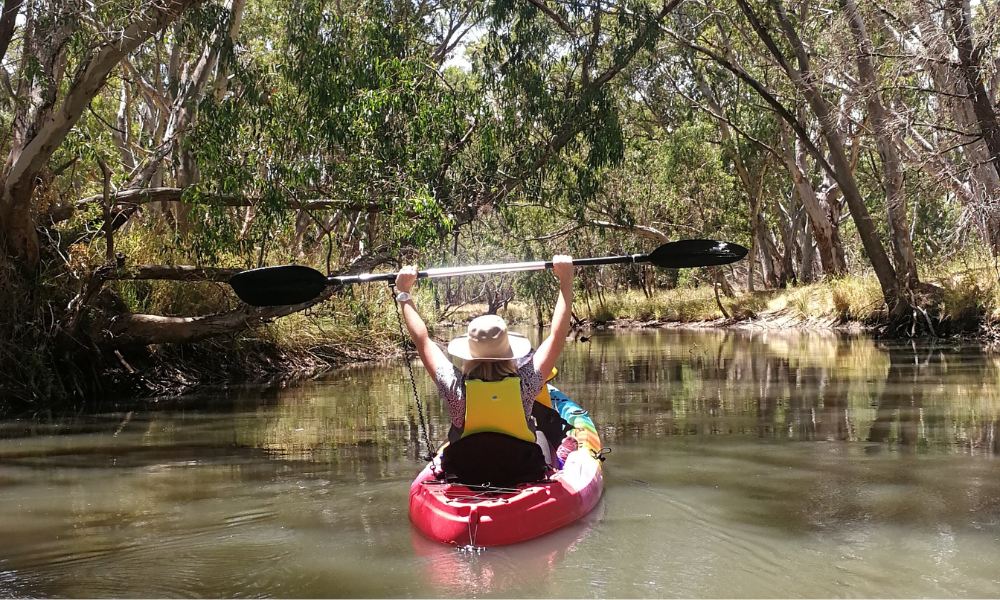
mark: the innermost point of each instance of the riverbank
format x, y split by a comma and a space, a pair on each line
362, 327
960, 302
963, 302
299, 346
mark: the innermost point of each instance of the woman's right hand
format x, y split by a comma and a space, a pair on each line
406, 277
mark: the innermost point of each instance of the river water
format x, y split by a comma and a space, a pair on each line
752, 464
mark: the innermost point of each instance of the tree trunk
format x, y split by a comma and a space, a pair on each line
807, 261
749, 186
899, 229
18, 228
787, 229
133, 330
769, 255
970, 57
8, 20
840, 165
816, 208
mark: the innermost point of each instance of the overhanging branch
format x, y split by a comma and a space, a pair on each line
140, 196
175, 273
144, 330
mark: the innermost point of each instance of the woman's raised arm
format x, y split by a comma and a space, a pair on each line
549, 350
430, 354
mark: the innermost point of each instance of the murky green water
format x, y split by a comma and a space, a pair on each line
744, 464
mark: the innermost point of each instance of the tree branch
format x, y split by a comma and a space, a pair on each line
764, 93
89, 80
175, 273
134, 197
8, 21
554, 16
144, 330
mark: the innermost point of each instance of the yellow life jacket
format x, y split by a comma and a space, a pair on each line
543, 396
495, 406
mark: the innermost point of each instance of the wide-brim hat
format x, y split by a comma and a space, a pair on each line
488, 339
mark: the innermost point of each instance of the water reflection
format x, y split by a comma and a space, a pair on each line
811, 386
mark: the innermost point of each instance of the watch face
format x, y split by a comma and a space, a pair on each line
402, 297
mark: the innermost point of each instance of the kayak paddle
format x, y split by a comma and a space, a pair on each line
295, 284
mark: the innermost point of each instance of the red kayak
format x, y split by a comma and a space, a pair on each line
452, 513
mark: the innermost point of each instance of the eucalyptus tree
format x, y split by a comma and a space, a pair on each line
732, 80
677, 86
63, 59
798, 42
948, 51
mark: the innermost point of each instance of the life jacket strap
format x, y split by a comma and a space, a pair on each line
544, 396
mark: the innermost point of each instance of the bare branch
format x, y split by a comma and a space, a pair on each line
143, 330
554, 16
175, 194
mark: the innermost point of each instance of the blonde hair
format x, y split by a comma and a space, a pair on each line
489, 370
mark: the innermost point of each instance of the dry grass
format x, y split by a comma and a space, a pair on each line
969, 297
971, 291
337, 331
682, 304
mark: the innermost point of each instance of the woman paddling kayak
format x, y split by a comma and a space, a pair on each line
491, 398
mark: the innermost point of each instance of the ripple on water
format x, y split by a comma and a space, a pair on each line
13, 586
506, 571
216, 558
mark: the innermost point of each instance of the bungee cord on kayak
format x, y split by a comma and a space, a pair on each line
407, 360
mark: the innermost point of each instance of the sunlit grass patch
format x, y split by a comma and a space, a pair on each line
851, 298
856, 297
681, 304
690, 304
970, 292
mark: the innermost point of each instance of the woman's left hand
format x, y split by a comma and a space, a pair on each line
562, 267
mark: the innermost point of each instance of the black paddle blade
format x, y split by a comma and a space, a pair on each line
696, 253
278, 286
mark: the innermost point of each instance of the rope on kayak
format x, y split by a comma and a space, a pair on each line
601, 454
408, 360
477, 491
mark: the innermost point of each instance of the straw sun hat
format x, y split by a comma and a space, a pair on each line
488, 340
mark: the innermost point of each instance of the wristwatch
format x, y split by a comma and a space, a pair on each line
403, 297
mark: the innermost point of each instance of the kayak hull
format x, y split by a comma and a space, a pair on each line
456, 514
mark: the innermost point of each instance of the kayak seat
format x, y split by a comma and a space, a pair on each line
490, 458
549, 422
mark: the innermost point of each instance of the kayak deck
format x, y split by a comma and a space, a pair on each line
453, 513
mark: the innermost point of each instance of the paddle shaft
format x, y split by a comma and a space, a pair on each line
537, 265
295, 284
